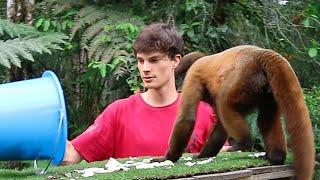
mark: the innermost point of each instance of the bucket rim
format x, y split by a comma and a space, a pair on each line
58, 156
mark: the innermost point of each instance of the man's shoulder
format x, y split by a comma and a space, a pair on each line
123, 102
130, 99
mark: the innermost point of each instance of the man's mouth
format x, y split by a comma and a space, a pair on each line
148, 78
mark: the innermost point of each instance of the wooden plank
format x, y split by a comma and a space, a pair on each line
227, 175
186, 178
268, 169
256, 173
273, 175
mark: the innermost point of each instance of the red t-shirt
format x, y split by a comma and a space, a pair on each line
131, 127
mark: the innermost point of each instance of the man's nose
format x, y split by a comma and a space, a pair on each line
146, 66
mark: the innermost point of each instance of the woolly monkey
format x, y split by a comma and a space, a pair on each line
235, 82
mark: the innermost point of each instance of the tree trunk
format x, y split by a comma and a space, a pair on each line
20, 11
29, 6
11, 10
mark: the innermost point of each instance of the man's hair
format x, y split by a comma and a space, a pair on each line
159, 37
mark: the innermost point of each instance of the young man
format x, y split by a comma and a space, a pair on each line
140, 125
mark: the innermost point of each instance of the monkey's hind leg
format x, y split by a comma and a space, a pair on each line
216, 139
270, 127
234, 123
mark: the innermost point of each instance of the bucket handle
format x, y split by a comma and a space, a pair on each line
38, 171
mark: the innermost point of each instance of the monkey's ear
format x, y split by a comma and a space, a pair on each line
176, 60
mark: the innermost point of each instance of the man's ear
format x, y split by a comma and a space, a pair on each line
176, 60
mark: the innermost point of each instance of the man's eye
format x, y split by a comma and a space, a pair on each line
140, 60
154, 60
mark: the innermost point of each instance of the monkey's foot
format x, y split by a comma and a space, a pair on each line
276, 157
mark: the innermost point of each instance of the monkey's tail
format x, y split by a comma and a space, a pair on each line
289, 97
186, 62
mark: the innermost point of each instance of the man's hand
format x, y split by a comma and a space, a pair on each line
71, 155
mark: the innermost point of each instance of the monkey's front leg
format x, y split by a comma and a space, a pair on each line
179, 139
182, 130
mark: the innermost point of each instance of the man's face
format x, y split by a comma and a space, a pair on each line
156, 69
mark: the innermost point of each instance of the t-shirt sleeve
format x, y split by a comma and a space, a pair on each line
209, 120
96, 143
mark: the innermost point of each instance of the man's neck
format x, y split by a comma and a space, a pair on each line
160, 97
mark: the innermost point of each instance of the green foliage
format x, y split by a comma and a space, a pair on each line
311, 20
308, 63
16, 30
107, 36
23, 40
212, 27
56, 15
251, 119
262, 23
197, 26
98, 65
98, 56
14, 165
195, 19
106, 68
52, 25
279, 27
312, 97
134, 81
3, 9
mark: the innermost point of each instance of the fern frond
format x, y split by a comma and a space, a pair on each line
20, 50
107, 55
44, 43
95, 43
88, 15
119, 72
101, 36
32, 44
4, 60
92, 31
57, 38
40, 45
87, 11
9, 54
122, 53
53, 46
92, 18
99, 52
14, 50
17, 30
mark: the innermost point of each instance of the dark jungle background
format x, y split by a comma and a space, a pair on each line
88, 43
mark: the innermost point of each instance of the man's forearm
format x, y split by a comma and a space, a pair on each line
71, 155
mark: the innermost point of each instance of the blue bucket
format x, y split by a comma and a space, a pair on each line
33, 121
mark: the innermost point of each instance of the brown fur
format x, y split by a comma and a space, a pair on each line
236, 81
184, 65
187, 61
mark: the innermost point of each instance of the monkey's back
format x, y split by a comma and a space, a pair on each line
223, 71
